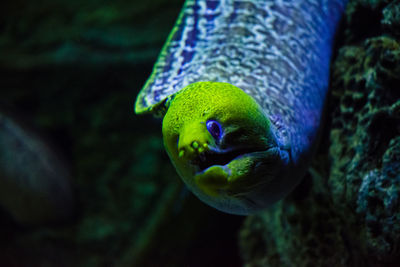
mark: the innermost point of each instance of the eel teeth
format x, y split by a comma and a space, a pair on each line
220, 157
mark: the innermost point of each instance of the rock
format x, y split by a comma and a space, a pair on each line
35, 185
348, 212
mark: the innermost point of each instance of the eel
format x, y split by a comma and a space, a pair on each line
241, 87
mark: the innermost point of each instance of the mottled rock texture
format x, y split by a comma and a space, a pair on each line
346, 212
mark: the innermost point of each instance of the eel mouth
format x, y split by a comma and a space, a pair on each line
215, 157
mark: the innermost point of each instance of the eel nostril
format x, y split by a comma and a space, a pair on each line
193, 150
195, 145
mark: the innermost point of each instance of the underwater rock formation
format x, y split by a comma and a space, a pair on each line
35, 185
346, 212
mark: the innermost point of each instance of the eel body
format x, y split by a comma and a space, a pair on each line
241, 86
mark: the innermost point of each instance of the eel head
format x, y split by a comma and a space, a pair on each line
224, 148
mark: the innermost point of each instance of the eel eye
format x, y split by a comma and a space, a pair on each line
214, 128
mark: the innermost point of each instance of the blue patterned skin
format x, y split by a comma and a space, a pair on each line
278, 52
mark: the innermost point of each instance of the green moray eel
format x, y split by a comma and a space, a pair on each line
241, 87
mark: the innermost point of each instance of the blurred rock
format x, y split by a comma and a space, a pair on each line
35, 185
60, 32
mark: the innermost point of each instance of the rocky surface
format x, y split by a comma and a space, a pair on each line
346, 212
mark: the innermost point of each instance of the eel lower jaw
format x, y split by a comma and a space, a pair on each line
236, 172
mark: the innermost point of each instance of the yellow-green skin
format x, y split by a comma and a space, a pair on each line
247, 182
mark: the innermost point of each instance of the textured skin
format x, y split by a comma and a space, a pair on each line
278, 52
241, 183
